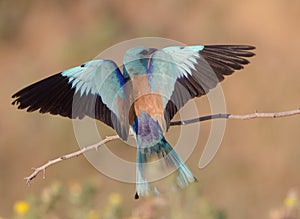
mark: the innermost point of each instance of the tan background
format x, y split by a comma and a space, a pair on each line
259, 159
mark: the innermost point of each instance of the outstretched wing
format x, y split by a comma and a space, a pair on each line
95, 89
182, 73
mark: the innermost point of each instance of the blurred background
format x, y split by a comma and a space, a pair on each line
255, 174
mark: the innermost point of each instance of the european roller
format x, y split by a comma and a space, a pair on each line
142, 95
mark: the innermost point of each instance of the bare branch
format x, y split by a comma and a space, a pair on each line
240, 117
175, 123
67, 156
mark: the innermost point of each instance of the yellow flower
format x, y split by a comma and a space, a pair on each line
21, 207
290, 201
92, 215
115, 199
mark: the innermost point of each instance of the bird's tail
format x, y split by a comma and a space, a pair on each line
184, 176
164, 150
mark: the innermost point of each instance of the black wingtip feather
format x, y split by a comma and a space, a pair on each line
56, 96
232, 50
233, 47
222, 57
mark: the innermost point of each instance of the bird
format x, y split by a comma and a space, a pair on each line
140, 96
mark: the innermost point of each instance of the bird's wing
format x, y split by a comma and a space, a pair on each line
95, 89
182, 73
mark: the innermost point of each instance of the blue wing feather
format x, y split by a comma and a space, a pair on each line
210, 65
170, 64
96, 89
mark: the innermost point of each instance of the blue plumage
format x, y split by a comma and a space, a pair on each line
151, 141
144, 97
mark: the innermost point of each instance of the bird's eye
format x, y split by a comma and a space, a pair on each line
144, 52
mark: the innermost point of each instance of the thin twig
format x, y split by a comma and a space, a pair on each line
67, 156
175, 123
240, 117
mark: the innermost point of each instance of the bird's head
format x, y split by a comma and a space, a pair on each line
136, 60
